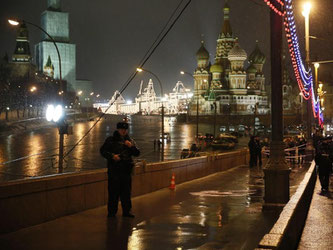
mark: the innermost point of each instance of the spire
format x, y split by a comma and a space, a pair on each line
226, 28
49, 68
49, 62
54, 5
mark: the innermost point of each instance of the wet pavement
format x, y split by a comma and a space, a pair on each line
34, 153
318, 229
220, 211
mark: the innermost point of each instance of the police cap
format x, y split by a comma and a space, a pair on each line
123, 125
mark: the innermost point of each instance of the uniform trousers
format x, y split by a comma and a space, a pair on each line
119, 187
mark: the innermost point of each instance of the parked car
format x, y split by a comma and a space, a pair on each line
186, 153
209, 137
228, 136
237, 134
223, 143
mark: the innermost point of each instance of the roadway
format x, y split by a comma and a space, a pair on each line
33, 153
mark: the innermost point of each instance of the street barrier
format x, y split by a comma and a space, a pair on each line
287, 230
32, 201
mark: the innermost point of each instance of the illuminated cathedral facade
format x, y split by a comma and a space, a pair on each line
227, 87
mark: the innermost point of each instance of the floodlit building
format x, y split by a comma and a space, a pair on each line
56, 23
227, 85
147, 102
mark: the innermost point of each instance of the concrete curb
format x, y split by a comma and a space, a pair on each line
287, 230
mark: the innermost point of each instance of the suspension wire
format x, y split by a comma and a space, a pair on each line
127, 81
134, 74
260, 4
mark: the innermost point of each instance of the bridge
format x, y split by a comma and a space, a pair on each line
217, 204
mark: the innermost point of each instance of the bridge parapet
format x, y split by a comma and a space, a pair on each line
33, 201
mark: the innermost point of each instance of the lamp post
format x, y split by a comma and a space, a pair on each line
16, 22
301, 96
162, 94
197, 98
306, 14
276, 171
215, 107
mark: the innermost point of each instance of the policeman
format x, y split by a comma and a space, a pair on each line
118, 150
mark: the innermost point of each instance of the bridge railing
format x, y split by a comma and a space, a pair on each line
33, 201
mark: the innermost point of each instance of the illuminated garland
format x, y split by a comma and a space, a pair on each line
303, 76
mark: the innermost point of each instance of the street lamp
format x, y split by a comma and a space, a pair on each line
16, 22
301, 95
306, 13
162, 95
197, 97
33, 89
316, 66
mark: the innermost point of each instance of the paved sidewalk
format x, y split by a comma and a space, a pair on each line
318, 231
220, 211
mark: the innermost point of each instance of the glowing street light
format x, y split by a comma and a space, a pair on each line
92, 93
13, 22
306, 14
80, 92
98, 95
33, 89
140, 70
54, 113
306, 9
316, 65
16, 22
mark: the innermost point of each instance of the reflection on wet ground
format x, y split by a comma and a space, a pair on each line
35, 153
220, 211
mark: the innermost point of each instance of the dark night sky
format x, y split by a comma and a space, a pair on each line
112, 36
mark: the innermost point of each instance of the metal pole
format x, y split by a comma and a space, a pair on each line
61, 134
307, 61
254, 121
197, 120
302, 108
162, 94
197, 97
276, 171
162, 155
215, 106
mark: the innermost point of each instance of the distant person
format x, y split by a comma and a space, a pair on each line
324, 168
159, 144
193, 150
258, 151
118, 150
301, 150
253, 152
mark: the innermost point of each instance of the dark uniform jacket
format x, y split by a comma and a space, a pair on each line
324, 164
116, 145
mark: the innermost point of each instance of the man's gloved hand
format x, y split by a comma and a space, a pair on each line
116, 157
128, 143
